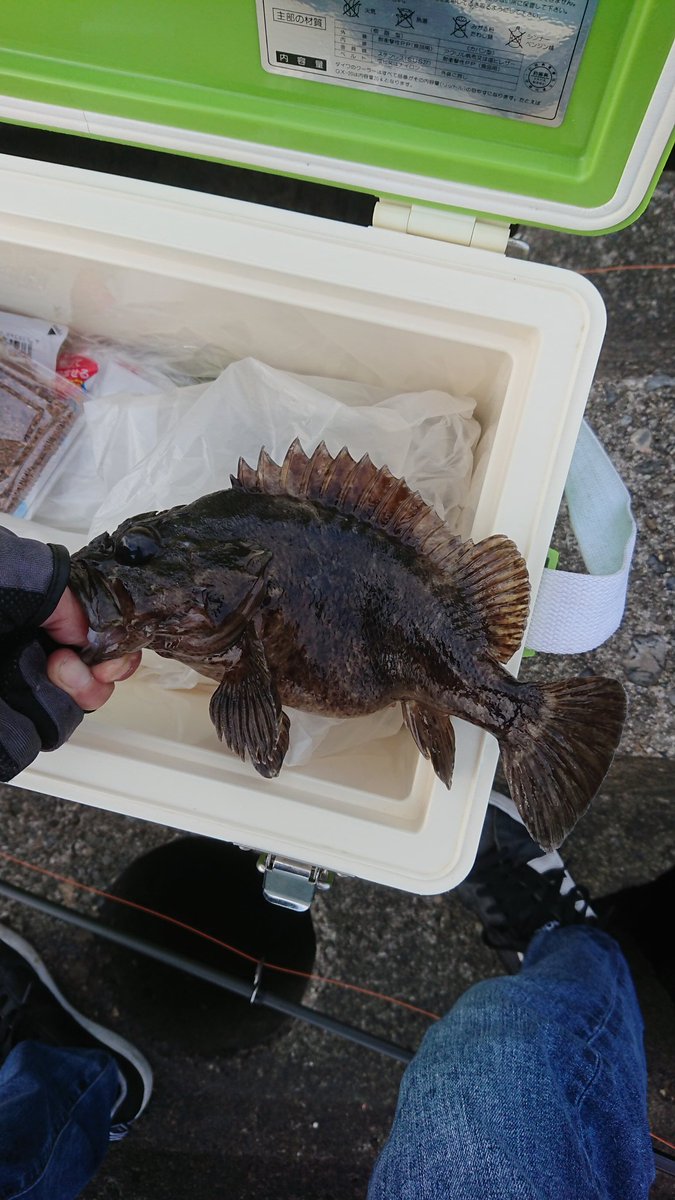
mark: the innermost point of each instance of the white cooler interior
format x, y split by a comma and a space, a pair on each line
128, 259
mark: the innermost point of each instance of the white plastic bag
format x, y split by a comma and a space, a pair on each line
132, 396
117, 433
427, 438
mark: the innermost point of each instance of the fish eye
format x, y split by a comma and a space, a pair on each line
135, 546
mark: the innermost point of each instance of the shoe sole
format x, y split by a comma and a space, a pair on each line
107, 1037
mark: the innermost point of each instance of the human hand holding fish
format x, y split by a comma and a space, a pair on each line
45, 687
328, 585
89, 686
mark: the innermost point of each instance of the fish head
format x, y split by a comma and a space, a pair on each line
167, 581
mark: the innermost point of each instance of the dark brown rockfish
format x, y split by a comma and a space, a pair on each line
329, 585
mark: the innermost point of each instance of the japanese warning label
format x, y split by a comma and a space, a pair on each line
518, 58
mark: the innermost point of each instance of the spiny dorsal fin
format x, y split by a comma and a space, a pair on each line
355, 488
491, 575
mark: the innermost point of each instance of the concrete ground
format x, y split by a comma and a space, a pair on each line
303, 1114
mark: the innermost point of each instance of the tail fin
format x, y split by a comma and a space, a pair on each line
556, 758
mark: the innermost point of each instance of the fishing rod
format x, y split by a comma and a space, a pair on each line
254, 993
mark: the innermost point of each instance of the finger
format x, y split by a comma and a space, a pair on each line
67, 671
117, 669
68, 623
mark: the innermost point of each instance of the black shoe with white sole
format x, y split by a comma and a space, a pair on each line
31, 1006
515, 888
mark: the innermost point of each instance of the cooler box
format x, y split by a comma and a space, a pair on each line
461, 118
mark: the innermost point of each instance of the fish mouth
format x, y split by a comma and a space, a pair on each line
94, 591
109, 609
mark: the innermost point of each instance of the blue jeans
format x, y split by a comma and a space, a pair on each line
55, 1107
533, 1087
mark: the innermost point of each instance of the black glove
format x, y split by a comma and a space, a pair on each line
34, 714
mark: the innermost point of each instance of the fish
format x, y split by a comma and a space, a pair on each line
327, 584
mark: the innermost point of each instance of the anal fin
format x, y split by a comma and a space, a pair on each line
246, 710
434, 737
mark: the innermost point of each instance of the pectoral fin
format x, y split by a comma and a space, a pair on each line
434, 737
246, 709
232, 587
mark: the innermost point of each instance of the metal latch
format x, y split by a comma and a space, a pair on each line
442, 225
292, 884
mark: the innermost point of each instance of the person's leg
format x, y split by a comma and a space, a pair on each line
55, 1116
68, 1085
532, 1087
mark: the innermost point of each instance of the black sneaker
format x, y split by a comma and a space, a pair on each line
516, 888
31, 1006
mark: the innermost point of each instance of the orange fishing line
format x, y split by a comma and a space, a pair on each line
626, 267
663, 1140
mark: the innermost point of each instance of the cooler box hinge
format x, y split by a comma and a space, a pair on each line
441, 225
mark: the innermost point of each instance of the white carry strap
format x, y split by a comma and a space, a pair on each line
575, 612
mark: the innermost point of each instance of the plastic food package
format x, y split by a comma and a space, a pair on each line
427, 438
102, 367
40, 414
39, 340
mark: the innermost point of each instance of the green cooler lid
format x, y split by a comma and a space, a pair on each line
551, 112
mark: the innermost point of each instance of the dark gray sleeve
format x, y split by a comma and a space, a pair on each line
34, 714
33, 577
